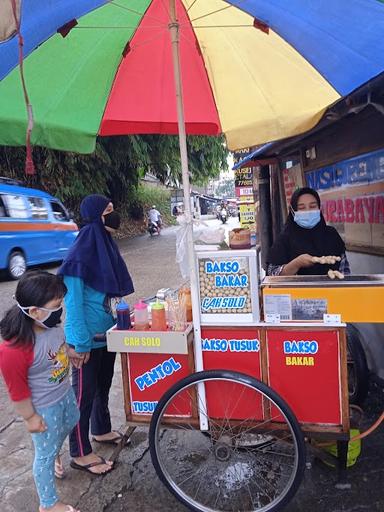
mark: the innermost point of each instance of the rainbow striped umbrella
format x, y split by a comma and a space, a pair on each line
254, 70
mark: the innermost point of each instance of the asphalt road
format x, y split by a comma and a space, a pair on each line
133, 485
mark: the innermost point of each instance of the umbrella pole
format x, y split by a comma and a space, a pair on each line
174, 31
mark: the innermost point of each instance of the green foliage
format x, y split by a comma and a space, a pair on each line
115, 169
148, 196
226, 189
207, 156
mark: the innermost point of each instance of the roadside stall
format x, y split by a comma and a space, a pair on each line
262, 367
235, 383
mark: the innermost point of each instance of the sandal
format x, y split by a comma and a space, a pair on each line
59, 469
114, 441
86, 467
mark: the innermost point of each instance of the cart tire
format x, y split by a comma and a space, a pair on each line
288, 439
358, 373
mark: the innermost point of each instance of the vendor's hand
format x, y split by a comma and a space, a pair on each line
36, 424
304, 260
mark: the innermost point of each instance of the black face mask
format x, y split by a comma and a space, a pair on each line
112, 220
53, 319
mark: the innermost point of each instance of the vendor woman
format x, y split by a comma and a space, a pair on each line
304, 236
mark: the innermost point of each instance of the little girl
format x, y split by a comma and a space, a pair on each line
35, 367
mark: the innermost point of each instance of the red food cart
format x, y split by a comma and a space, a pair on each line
231, 399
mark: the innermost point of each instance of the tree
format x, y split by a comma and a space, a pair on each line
207, 156
226, 188
116, 166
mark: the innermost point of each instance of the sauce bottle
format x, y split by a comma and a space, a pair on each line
159, 322
140, 311
123, 316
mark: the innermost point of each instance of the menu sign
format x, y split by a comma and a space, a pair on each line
225, 286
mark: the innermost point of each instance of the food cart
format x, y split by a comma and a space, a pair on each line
273, 372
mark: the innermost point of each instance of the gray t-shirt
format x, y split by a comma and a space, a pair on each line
48, 375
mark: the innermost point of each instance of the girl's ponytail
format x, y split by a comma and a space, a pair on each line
17, 328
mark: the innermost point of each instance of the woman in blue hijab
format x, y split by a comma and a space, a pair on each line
94, 273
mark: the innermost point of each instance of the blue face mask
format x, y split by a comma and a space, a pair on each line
307, 219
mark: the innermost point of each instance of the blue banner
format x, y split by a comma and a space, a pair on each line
360, 170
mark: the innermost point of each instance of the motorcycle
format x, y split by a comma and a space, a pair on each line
223, 215
153, 228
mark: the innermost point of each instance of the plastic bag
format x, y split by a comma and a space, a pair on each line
181, 246
211, 236
201, 234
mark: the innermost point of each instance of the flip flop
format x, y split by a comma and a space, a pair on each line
86, 467
115, 440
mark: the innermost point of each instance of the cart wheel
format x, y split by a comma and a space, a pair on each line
247, 460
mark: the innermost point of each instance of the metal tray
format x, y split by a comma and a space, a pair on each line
322, 281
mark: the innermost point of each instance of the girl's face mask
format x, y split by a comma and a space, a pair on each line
51, 320
307, 219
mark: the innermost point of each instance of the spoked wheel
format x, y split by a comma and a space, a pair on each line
251, 457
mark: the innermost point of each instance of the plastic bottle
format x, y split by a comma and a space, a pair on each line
123, 316
159, 322
140, 311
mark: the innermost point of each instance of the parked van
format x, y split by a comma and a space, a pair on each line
35, 228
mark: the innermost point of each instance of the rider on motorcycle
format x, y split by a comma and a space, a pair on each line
223, 212
154, 217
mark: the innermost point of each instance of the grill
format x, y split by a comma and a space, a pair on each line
322, 281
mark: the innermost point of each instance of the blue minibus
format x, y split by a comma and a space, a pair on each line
35, 228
